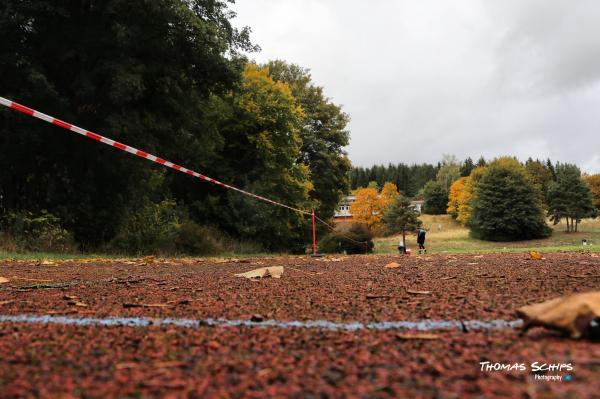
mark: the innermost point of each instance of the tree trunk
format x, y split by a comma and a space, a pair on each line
404, 239
568, 225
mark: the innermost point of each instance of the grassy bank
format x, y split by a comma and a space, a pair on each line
444, 235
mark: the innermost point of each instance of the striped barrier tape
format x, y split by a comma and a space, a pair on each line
123, 147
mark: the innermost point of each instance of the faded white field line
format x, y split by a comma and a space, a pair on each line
419, 325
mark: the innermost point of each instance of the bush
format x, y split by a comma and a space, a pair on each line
357, 239
24, 231
153, 228
193, 239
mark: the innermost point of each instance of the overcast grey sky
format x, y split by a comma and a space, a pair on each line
423, 78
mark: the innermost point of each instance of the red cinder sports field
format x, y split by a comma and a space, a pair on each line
436, 326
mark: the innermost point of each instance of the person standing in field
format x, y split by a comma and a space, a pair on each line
421, 241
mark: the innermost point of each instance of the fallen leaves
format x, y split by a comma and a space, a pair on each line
6, 302
418, 336
577, 315
169, 304
309, 272
46, 263
392, 265
534, 255
263, 272
78, 304
4, 280
417, 292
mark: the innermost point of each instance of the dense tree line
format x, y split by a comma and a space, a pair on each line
408, 178
168, 77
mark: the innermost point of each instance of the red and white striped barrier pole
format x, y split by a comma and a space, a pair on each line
153, 158
314, 231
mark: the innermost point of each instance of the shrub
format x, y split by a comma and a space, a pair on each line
357, 239
153, 228
24, 231
193, 239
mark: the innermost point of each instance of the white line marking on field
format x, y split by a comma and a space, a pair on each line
420, 325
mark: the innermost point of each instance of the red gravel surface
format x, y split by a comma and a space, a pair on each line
92, 361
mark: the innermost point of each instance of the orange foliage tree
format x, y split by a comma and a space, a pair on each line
389, 194
461, 195
366, 208
594, 182
369, 206
454, 196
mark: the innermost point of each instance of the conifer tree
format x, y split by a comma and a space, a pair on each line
401, 217
569, 197
506, 205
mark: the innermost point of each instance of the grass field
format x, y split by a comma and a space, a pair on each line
444, 235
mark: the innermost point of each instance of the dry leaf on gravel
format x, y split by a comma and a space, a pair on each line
46, 263
126, 366
147, 305
392, 265
6, 302
424, 336
4, 280
78, 304
535, 255
418, 292
263, 272
577, 315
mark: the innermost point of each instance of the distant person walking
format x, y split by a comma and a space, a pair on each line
421, 241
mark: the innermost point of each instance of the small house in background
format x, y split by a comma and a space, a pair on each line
343, 214
417, 204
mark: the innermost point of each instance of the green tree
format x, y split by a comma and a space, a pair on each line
506, 204
436, 198
323, 133
540, 175
139, 71
261, 128
570, 197
401, 217
449, 171
467, 167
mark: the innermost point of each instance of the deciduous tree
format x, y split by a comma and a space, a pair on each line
366, 209
593, 182
324, 135
389, 194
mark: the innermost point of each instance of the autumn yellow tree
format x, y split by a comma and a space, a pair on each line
461, 194
366, 209
454, 195
389, 194
594, 182
370, 205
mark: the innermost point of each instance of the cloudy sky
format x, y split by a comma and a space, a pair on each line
423, 78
